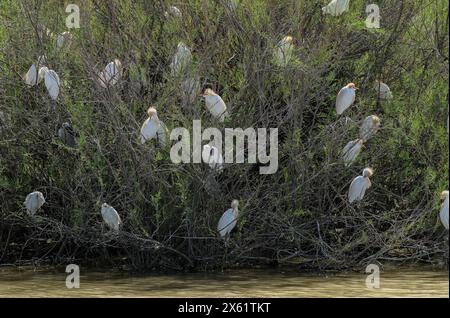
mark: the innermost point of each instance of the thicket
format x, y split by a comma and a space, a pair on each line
299, 215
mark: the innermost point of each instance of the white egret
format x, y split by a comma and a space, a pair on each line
345, 98
232, 4
215, 104
359, 186
182, 58
63, 40
32, 78
190, 88
173, 11
153, 127
228, 220
369, 127
383, 91
33, 202
444, 209
336, 7
212, 156
51, 80
111, 217
351, 151
284, 50
161, 134
67, 135
111, 74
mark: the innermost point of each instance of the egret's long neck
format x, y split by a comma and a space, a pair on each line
235, 212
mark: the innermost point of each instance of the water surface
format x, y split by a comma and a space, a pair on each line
395, 282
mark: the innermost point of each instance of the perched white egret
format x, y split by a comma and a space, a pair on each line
111, 74
383, 91
359, 186
284, 50
228, 220
212, 156
345, 98
351, 151
444, 209
369, 127
32, 77
63, 40
153, 127
181, 59
336, 7
161, 134
215, 104
33, 202
111, 217
51, 80
190, 88
67, 135
173, 11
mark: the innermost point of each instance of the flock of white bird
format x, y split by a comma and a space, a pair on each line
154, 128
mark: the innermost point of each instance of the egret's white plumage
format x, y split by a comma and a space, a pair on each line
228, 220
111, 74
67, 135
32, 77
369, 127
345, 98
383, 91
359, 186
63, 40
336, 7
351, 151
33, 202
181, 59
212, 156
444, 209
111, 217
153, 127
52, 82
215, 105
284, 50
173, 11
190, 88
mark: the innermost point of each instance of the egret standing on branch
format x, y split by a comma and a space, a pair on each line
336, 7
111, 217
345, 98
228, 220
153, 127
284, 50
369, 127
32, 77
444, 209
383, 91
52, 82
182, 59
351, 151
33, 202
63, 40
111, 74
359, 186
215, 104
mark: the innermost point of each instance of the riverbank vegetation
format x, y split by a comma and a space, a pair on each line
300, 215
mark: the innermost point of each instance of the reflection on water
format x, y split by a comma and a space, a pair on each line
395, 282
